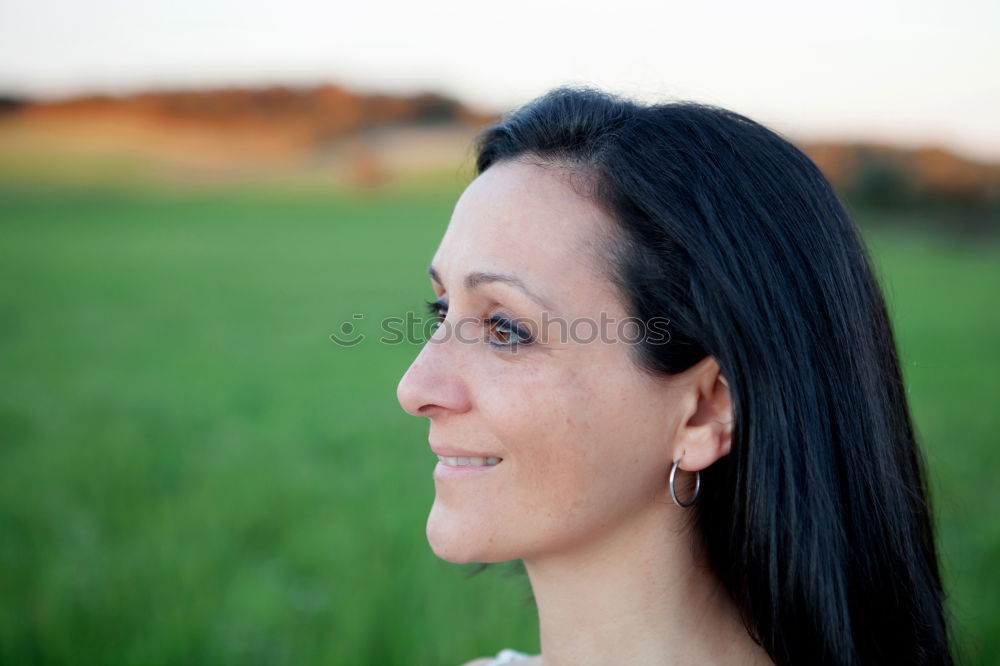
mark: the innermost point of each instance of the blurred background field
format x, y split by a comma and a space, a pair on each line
192, 471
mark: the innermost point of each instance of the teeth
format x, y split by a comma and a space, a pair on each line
462, 461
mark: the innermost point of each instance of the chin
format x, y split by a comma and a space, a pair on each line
455, 542
450, 542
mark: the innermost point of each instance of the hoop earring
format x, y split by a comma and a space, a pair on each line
697, 486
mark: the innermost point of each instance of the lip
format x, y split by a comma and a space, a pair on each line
445, 471
452, 452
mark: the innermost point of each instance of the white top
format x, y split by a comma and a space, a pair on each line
507, 656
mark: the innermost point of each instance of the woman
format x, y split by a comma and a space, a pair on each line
664, 378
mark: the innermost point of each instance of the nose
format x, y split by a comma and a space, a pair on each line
434, 382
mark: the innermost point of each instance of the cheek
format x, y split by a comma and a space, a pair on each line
567, 436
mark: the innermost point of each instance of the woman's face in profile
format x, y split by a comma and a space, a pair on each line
584, 435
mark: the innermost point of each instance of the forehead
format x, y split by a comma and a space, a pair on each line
529, 220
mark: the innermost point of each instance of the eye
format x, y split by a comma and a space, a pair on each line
438, 308
508, 334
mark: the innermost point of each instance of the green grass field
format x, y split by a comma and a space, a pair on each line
192, 472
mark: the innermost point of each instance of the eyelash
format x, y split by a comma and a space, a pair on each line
440, 308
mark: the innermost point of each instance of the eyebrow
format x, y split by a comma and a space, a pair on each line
477, 278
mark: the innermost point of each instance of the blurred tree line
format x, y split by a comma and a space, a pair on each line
931, 187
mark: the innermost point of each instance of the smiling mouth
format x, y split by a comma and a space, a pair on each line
462, 461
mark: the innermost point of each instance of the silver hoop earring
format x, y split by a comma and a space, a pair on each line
697, 486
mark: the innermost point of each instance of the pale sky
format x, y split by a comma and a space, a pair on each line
909, 72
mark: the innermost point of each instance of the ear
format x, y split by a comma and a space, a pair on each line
706, 426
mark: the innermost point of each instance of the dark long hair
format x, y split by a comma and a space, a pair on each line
818, 521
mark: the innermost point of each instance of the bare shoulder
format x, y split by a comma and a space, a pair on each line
535, 660
486, 661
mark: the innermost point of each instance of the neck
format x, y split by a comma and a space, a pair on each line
638, 594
